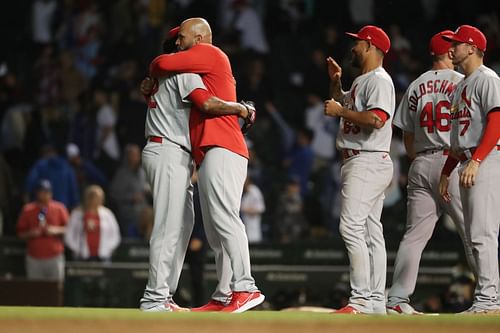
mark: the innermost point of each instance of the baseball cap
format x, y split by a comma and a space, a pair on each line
374, 35
468, 34
44, 185
438, 45
173, 32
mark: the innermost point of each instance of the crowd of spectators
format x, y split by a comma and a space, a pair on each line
71, 111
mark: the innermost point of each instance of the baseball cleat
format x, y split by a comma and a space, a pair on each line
403, 309
347, 310
174, 307
243, 301
211, 306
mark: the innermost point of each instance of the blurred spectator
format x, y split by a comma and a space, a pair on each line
107, 149
290, 222
43, 15
57, 170
86, 172
72, 82
325, 131
47, 72
83, 130
129, 190
92, 232
42, 224
362, 11
14, 126
298, 153
244, 19
252, 208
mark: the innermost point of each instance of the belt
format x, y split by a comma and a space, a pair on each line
159, 139
467, 153
346, 153
434, 151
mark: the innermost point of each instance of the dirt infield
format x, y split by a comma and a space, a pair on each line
73, 320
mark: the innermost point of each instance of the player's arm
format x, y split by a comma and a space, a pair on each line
216, 106
335, 73
195, 60
374, 119
488, 141
409, 139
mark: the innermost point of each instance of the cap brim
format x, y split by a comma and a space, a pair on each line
173, 32
451, 38
352, 35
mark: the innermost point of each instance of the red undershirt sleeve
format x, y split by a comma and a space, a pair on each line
490, 137
381, 114
198, 97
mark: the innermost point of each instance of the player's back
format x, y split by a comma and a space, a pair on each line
425, 109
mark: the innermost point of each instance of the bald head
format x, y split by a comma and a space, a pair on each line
193, 31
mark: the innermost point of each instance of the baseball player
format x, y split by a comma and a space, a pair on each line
424, 117
475, 123
364, 139
221, 154
167, 162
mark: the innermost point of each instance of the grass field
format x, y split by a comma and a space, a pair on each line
89, 320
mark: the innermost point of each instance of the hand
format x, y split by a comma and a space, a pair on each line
334, 70
443, 188
147, 86
333, 108
53, 230
250, 116
468, 175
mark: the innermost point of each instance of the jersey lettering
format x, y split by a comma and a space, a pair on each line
430, 87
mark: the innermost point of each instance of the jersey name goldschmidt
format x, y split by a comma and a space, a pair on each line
424, 109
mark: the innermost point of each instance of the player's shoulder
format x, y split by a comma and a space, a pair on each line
58, 205
208, 48
378, 75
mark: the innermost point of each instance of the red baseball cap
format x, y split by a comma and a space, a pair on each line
173, 32
438, 45
374, 35
470, 35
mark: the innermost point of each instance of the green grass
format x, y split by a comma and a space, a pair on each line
90, 314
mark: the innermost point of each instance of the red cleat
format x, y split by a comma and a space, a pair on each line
243, 301
347, 310
211, 306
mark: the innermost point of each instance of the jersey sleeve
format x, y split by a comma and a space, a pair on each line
187, 83
490, 96
198, 59
403, 116
379, 95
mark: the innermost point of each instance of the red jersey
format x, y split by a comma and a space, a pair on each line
215, 69
35, 216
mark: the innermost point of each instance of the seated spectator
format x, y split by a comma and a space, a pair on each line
92, 232
42, 224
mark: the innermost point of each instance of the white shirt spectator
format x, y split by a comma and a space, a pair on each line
75, 238
252, 207
325, 131
106, 119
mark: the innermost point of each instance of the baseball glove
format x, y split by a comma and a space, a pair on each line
250, 118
